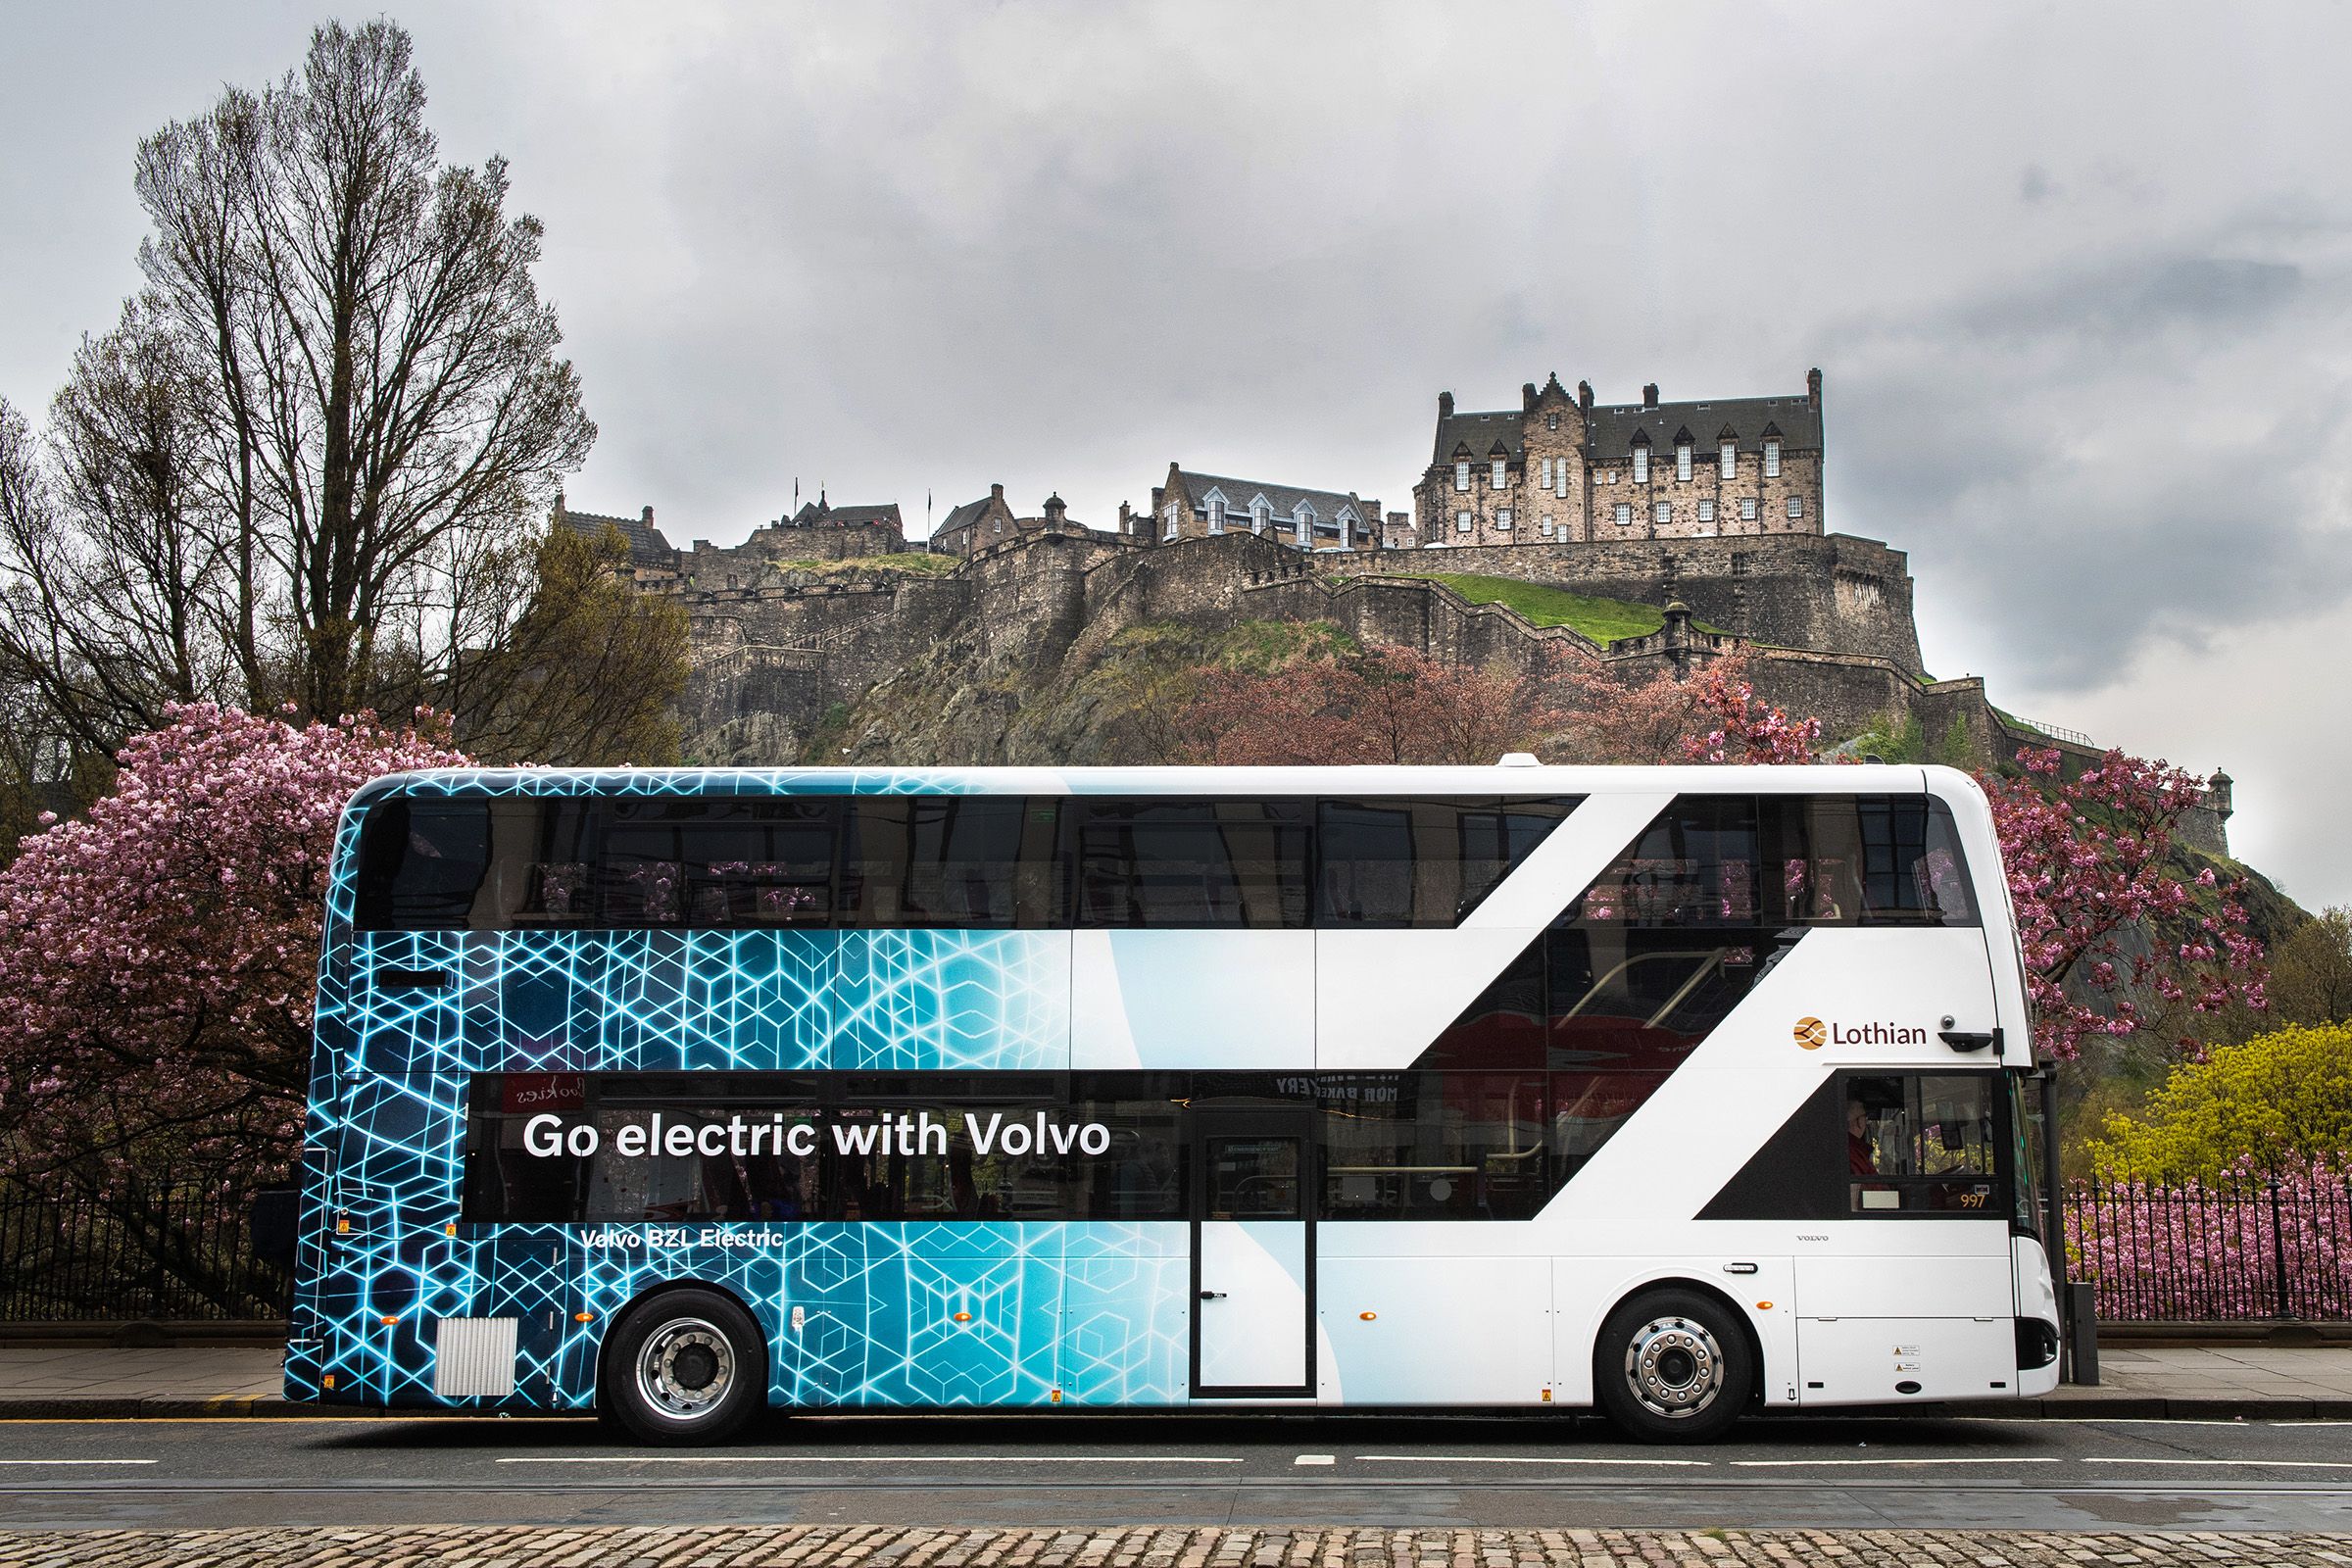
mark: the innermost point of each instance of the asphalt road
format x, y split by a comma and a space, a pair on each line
2016, 1474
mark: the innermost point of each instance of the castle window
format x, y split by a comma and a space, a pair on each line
1661, 513
1682, 461
1772, 460
1562, 472
1796, 506
1461, 522
1217, 514
1731, 460
1547, 474
1000, 526
1545, 527
1624, 514
1258, 512
1640, 465
1706, 512
1500, 478
1461, 475
1502, 517
1172, 510
1747, 509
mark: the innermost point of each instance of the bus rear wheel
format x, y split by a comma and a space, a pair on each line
684, 1366
1673, 1366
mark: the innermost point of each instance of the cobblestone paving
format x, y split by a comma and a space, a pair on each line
814, 1546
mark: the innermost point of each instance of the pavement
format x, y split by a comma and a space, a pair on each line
2181, 1382
1144, 1547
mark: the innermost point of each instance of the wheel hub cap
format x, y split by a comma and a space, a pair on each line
685, 1367
1674, 1367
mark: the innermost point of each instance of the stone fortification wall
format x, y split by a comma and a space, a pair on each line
1830, 592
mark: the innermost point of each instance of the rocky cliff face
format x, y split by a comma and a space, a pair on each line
1037, 651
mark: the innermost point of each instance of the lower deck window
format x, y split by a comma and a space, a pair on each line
1921, 1142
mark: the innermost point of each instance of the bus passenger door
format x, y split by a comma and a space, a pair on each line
1254, 1255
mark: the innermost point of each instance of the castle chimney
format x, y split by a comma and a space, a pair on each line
649, 516
995, 492
1527, 397
1650, 394
1126, 520
1584, 396
1813, 388
1055, 511
1444, 405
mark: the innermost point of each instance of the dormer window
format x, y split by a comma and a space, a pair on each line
1217, 514
1304, 519
1682, 461
1771, 459
1461, 474
1260, 512
1731, 460
1642, 465
1500, 480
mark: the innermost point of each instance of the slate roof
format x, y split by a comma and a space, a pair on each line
1609, 428
1239, 493
1479, 433
647, 546
963, 517
824, 514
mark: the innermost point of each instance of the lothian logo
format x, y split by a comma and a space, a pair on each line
1812, 1033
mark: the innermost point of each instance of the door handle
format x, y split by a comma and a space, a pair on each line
411, 979
1213, 1296
1962, 1040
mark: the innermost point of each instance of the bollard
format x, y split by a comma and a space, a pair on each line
2082, 1330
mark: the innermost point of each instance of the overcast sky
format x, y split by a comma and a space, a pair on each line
2077, 278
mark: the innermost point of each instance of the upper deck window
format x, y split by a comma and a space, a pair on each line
938, 862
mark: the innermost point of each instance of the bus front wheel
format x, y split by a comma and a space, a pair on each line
1673, 1366
684, 1366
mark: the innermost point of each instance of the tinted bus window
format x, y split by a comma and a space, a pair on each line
1434, 1145
1187, 863
717, 860
421, 862
1421, 863
949, 861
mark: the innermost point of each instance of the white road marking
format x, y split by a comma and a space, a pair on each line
77, 1462
2287, 1464
1789, 1464
1316, 1458
1489, 1458
876, 1458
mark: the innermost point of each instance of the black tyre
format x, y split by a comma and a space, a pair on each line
1673, 1366
684, 1366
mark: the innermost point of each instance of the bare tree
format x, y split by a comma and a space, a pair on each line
380, 373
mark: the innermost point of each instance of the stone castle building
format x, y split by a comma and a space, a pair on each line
1562, 469
990, 520
1203, 506
653, 559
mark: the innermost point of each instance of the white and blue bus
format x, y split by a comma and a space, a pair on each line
680, 1094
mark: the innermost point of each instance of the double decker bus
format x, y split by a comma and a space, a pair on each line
679, 1094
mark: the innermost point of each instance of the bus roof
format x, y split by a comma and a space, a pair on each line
1510, 779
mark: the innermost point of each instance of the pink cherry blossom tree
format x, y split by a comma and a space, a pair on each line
159, 956
2102, 910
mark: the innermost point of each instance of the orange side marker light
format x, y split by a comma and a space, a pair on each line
583, 1317
1367, 1316
1763, 1306
963, 1317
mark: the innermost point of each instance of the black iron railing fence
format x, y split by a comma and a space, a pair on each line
2246, 1245
144, 1249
